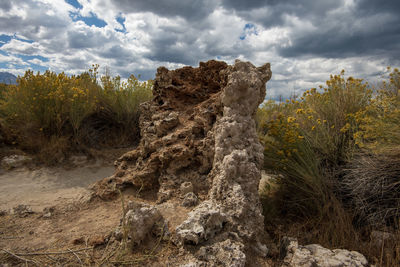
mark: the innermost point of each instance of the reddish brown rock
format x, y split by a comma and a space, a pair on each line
175, 146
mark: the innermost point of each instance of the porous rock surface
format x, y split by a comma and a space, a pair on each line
315, 255
198, 139
141, 220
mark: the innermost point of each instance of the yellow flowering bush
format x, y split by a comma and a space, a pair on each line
304, 140
50, 106
379, 128
335, 154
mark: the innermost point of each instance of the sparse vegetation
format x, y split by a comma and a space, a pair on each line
54, 114
335, 155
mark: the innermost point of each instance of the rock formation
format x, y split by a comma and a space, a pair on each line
199, 146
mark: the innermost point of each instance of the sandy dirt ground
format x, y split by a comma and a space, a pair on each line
77, 231
44, 187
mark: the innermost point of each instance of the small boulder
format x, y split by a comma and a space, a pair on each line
317, 256
141, 220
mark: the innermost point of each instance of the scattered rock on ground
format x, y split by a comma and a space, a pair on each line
317, 256
22, 210
14, 161
48, 212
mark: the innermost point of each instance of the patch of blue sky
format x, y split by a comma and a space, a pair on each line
121, 20
3, 65
21, 39
26, 58
74, 3
248, 29
35, 68
4, 38
93, 20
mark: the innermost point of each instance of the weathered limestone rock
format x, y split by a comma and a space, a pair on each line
205, 222
225, 253
142, 219
199, 139
317, 256
238, 156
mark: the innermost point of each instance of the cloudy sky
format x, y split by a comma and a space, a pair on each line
304, 40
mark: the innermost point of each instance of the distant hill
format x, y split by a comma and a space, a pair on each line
8, 78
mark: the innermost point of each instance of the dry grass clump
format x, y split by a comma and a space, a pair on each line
373, 184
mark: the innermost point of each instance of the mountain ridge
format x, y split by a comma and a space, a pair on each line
8, 78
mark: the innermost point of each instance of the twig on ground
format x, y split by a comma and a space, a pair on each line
76, 255
19, 257
11, 237
110, 255
50, 252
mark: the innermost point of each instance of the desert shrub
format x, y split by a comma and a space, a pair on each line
372, 178
306, 140
45, 105
335, 153
42, 108
119, 104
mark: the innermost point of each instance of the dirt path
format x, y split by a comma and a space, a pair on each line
46, 187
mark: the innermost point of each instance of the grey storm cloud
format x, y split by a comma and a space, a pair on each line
176, 46
271, 12
118, 52
85, 39
191, 10
336, 34
6, 6
370, 30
